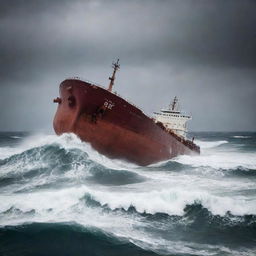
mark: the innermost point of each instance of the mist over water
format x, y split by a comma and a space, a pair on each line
60, 197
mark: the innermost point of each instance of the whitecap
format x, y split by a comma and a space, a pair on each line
67, 141
173, 201
241, 137
210, 144
220, 160
15, 137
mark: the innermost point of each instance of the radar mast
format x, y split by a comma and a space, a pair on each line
115, 66
173, 105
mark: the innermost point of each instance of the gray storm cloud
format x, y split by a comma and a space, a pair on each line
202, 51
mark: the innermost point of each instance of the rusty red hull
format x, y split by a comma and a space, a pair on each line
113, 126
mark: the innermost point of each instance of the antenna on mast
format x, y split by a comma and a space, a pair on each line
115, 66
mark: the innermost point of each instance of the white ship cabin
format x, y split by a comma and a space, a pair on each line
173, 119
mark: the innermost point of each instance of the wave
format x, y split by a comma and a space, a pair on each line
174, 201
241, 137
241, 172
145, 227
196, 226
102, 175
221, 160
207, 166
169, 201
61, 162
52, 166
68, 141
37, 145
190, 205
170, 165
195, 210
210, 144
63, 239
15, 137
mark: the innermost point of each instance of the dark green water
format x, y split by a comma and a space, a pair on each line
60, 197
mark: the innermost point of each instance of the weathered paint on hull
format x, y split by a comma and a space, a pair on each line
113, 126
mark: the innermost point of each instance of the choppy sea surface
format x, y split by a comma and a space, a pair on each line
60, 197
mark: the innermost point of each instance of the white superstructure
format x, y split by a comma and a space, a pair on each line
173, 119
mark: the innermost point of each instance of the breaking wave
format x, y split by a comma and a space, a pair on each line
210, 144
242, 137
221, 160
59, 187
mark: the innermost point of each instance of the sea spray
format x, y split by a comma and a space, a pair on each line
59, 187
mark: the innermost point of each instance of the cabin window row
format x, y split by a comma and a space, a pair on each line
173, 115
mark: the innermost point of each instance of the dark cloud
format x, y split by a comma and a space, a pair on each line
202, 50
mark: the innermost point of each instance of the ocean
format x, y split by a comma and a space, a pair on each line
60, 197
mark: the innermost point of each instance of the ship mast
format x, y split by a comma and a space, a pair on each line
174, 103
115, 66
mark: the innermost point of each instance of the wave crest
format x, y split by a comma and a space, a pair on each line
210, 144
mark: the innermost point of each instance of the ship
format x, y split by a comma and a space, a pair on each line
117, 128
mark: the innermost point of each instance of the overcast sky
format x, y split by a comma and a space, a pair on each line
203, 51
